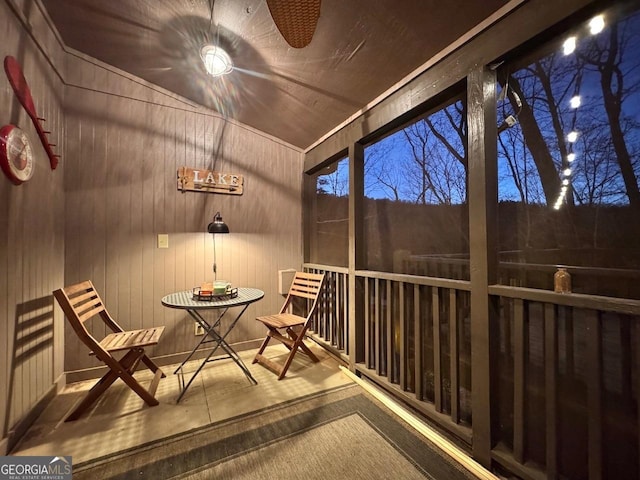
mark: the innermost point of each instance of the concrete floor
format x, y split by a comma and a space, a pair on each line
120, 419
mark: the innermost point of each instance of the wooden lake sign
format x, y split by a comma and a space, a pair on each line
208, 181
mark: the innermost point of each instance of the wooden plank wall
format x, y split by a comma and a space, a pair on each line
125, 141
31, 226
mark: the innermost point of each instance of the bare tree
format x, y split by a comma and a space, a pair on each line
540, 93
383, 176
438, 156
335, 181
534, 138
607, 56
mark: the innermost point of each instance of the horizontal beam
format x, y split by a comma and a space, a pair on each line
578, 300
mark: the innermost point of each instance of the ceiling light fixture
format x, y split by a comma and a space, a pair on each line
216, 60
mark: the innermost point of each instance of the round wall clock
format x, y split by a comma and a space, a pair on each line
16, 155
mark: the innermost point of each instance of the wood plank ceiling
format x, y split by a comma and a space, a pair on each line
360, 49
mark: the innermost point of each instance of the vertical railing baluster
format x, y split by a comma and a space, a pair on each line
345, 312
454, 360
331, 334
437, 369
417, 342
321, 309
506, 326
389, 336
327, 306
367, 323
326, 317
319, 313
594, 393
378, 332
568, 344
551, 388
339, 311
403, 338
520, 315
625, 354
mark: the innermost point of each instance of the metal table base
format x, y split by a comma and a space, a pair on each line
212, 333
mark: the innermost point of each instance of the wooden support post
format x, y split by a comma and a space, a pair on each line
356, 254
481, 114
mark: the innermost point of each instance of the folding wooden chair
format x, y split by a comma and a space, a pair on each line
305, 287
81, 303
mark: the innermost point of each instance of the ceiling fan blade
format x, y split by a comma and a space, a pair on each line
296, 20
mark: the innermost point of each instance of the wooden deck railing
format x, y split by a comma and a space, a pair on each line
619, 282
417, 341
571, 364
566, 367
330, 324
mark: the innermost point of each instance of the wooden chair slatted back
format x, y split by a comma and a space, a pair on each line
305, 285
80, 303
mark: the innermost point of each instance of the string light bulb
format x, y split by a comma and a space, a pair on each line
569, 45
596, 25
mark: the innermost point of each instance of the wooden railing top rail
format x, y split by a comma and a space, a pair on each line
578, 300
397, 277
326, 268
415, 279
540, 267
601, 271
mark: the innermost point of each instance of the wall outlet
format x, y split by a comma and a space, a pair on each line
199, 329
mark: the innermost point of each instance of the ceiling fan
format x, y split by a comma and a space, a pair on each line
296, 19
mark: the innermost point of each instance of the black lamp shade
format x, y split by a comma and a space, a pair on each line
218, 226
